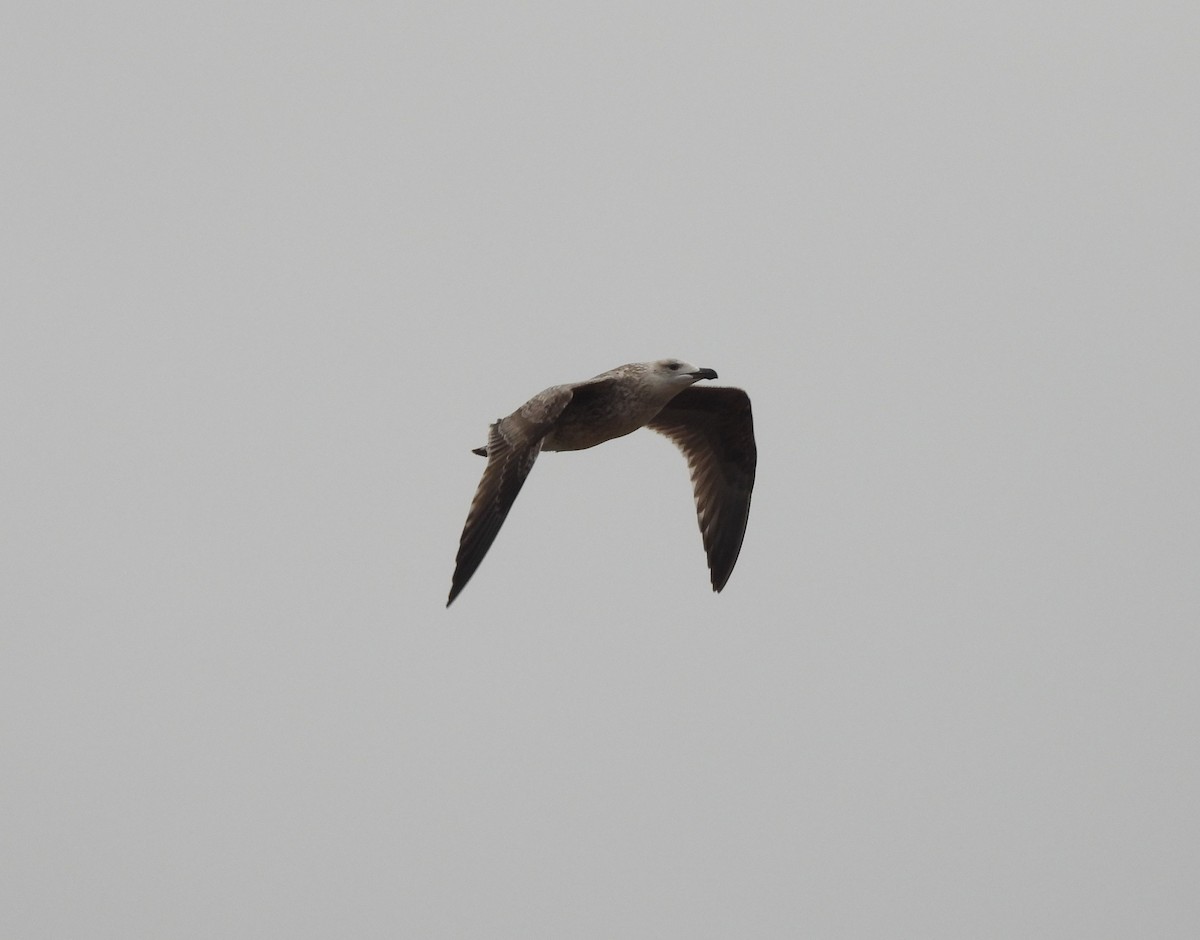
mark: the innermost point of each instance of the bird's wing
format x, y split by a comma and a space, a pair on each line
513, 445
714, 429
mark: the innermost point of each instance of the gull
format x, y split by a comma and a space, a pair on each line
711, 425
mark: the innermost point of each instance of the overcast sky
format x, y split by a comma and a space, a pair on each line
269, 271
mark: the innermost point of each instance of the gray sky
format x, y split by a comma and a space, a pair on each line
270, 270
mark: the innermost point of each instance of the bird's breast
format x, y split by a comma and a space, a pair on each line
581, 428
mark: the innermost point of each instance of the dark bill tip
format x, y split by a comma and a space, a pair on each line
704, 374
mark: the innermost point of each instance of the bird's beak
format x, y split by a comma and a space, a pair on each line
704, 374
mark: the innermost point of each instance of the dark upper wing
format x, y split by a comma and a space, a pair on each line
513, 445
714, 429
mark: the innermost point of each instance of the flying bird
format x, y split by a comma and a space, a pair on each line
711, 425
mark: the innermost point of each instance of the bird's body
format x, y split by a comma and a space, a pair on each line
712, 426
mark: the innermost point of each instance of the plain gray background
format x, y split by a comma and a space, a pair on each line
270, 270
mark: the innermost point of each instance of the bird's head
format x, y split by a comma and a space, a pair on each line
677, 374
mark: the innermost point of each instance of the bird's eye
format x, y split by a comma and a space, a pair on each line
672, 366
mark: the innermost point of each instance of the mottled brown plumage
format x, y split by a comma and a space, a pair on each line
712, 426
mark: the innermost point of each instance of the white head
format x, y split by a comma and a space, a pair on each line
677, 374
